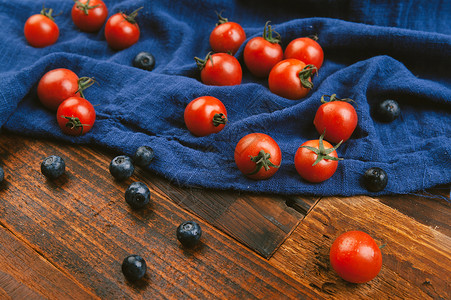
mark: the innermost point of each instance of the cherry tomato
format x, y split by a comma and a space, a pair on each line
316, 160
205, 115
75, 116
122, 31
262, 53
291, 78
227, 36
219, 69
337, 118
355, 256
306, 50
41, 30
258, 156
89, 15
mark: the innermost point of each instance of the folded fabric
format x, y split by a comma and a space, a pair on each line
374, 50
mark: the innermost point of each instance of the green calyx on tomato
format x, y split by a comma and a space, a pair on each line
334, 97
306, 73
323, 153
74, 123
219, 119
202, 62
84, 83
221, 19
85, 6
268, 34
47, 12
262, 161
131, 17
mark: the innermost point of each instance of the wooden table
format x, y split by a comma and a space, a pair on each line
66, 239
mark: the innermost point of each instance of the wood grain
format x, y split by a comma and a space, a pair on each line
416, 258
81, 224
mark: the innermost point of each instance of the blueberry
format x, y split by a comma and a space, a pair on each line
144, 60
134, 267
189, 233
121, 167
53, 166
143, 156
388, 110
137, 195
375, 179
2, 174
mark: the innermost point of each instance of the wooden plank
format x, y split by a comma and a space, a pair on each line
82, 224
416, 258
24, 274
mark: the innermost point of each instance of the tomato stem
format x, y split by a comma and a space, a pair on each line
219, 119
321, 152
84, 83
307, 73
85, 7
267, 34
262, 161
74, 123
334, 97
221, 19
131, 17
202, 62
313, 37
47, 12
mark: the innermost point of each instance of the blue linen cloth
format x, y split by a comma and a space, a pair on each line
374, 50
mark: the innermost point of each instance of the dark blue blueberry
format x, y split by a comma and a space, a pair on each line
375, 179
53, 167
121, 167
388, 110
144, 60
2, 174
137, 195
189, 233
143, 156
134, 267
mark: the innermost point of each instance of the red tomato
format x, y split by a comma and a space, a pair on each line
89, 15
337, 118
291, 79
40, 30
56, 86
306, 50
205, 115
258, 156
316, 160
75, 116
227, 36
219, 69
122, 31
355, 256
261, 54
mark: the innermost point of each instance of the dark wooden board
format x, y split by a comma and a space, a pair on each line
81, 224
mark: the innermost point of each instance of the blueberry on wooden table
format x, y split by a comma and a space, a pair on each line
121, 167
388, 110
143, 156
375, 179
134, 267
53, 167
189, 233
144, 60
137, 195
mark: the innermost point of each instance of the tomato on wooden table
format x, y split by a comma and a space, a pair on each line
40, 30
89, 15
219, 69
227, 36
75, 116
122, 31
316, 160
59, 84
355, 257
336, 118
291, 78
205, 115
307, 50
262, 53
258, 156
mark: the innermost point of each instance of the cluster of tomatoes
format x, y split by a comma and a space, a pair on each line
257, 155
121, 30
